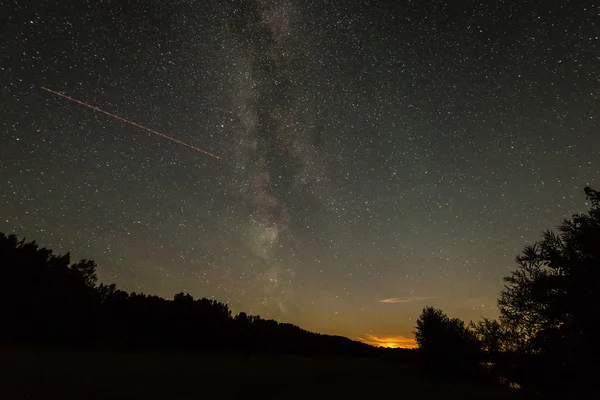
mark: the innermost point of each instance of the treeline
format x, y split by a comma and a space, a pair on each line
546, 340
46, 298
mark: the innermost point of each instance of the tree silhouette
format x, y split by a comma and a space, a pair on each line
491, 336
42, 295
446, 345
549, 305
86, 269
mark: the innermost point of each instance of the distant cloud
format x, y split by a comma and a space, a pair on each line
393, 300
392, 342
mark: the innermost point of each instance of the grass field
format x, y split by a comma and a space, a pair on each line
50, 373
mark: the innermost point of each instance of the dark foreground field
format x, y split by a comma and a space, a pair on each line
50, 373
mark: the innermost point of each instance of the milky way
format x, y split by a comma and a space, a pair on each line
278, 163
377, 157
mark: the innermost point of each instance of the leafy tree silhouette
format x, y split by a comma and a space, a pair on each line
445, 344
549, 306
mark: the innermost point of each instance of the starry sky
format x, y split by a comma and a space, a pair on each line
376, 156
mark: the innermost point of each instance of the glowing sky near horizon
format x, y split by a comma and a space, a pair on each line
380, 156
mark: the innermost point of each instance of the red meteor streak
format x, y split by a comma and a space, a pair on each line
131, 122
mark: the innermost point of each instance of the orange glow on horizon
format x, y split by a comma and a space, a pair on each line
390, 342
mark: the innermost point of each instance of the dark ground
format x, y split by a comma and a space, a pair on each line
51, 373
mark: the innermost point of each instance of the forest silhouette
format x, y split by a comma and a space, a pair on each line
47, 299
544, 341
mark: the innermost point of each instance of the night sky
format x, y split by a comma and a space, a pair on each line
376, 156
